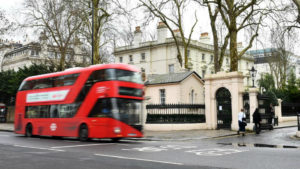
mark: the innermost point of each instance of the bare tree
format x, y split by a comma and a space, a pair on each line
60, 19
95, 17
5, 24
280, 59
238, 16
220, 45
100, 27
297, 3
171, 12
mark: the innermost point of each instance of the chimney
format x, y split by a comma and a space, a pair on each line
177, 32
43, 36
162, 31
137, 36
204, 38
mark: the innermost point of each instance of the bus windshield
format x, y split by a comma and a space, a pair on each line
116, 74
125, 110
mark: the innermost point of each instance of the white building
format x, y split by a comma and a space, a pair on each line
160, 56
263, 58
15, 55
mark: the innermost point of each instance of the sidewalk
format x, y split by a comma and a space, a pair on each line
177, 135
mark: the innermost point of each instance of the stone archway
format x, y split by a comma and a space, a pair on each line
230, 83
224, 111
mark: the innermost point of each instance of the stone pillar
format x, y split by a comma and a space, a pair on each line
253, 92
278, 111
236, 100
210, 116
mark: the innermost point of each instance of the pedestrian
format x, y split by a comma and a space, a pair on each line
256, 120
242, 122
272, 114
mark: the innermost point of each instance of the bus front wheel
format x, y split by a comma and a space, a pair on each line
83, 133
28, 132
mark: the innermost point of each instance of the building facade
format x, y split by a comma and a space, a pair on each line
184, 88
160, 56
15, 55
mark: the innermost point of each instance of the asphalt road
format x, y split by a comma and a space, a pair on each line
263, 151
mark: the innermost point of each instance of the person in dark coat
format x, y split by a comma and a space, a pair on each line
256, 120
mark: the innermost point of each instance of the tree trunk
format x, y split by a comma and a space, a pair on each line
233, 51
62, 60
217, 60
186, 59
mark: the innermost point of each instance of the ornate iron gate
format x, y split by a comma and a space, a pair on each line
264, 109
224, 113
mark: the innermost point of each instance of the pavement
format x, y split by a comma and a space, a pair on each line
178, 135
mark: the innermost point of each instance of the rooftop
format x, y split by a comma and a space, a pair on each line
168, 78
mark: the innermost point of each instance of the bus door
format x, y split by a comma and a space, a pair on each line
67, 125
99, 117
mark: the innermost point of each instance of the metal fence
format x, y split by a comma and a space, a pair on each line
298, 121
290, 109
175, 113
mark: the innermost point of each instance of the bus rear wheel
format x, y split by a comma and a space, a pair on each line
28, 132
83, 133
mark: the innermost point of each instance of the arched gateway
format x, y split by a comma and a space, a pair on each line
224, 111
223, 99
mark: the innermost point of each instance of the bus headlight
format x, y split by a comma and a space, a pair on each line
117, 130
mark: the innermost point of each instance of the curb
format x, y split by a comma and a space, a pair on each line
285, 127
4, 130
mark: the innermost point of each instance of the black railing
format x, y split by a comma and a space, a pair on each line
175, 113
290, 109
298, 120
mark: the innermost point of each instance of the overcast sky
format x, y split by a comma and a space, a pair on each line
10, 4
13, 8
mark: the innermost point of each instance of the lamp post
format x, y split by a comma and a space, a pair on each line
253, 74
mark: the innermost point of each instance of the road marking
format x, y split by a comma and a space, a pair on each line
138, 159
83, 145
161, 148
4, 135
148, 149
39, 148
215, 152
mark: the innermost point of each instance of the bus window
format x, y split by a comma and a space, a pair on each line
129, 76
52, 111
58, 81
115, 74
70, 79
68, 110
27, 85
102, 108
43, 83
37, 111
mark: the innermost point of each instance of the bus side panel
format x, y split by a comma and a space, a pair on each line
68, 127
98, 127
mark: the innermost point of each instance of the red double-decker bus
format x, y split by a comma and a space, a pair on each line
100, 101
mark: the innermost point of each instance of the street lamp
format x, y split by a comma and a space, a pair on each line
253, 74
